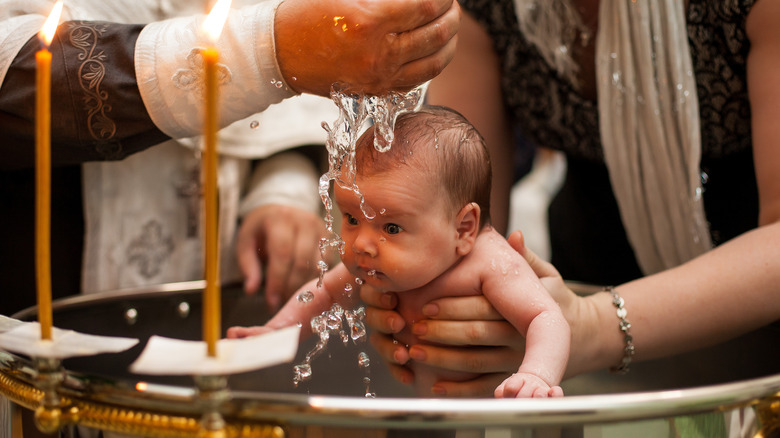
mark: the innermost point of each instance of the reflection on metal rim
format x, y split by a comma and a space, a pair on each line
399, 412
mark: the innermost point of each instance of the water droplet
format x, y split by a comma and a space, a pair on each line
183, 309
319, 324
348, 290
370, 395
359, 281
254, 124
302, 373
305, 296
360, 313
363, 360
371, 273
383, 211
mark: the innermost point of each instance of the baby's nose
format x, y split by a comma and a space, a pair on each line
365, 243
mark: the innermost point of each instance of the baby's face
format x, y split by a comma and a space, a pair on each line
409, 242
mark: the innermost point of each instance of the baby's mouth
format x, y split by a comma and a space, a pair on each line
371, 273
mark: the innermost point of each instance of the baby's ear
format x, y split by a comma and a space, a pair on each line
467, 226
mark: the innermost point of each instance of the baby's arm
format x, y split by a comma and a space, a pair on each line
516, 292
546, 354
295, 310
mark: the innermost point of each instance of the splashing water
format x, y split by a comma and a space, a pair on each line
364, 362
346, 324
355, 111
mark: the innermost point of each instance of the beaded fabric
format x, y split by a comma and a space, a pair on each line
551, 113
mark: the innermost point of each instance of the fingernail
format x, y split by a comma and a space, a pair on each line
395, 324
398, 358
420, 329
438, 390
417, 354
430, 310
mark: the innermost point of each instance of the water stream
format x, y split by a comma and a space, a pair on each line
356, 112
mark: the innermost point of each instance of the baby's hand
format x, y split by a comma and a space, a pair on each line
524, 385
245, 332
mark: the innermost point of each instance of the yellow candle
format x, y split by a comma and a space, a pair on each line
43, 189
43, 171
212, 312
212, 302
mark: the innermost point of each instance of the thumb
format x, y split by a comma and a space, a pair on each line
540, 267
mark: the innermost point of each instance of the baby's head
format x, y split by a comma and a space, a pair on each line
430, 193
443, 148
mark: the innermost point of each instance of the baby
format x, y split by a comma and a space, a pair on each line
431, 195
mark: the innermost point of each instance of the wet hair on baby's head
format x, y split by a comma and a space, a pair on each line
446, 149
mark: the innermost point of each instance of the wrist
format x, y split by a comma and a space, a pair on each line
624, 325
291, 29
597, 343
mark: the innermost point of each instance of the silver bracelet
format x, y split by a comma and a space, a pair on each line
624, 325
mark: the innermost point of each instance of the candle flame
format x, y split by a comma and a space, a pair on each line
50, 26
214, 22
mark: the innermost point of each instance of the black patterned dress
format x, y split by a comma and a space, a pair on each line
588, 239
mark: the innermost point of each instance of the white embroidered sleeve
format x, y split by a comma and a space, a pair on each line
168, 68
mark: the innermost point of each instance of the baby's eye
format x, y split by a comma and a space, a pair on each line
393, 229
352, 220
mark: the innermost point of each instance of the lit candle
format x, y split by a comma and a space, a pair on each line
212, 26
43, 170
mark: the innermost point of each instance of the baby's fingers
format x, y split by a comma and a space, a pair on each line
244, 332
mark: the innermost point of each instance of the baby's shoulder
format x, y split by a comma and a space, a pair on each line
491, 241
493, 254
